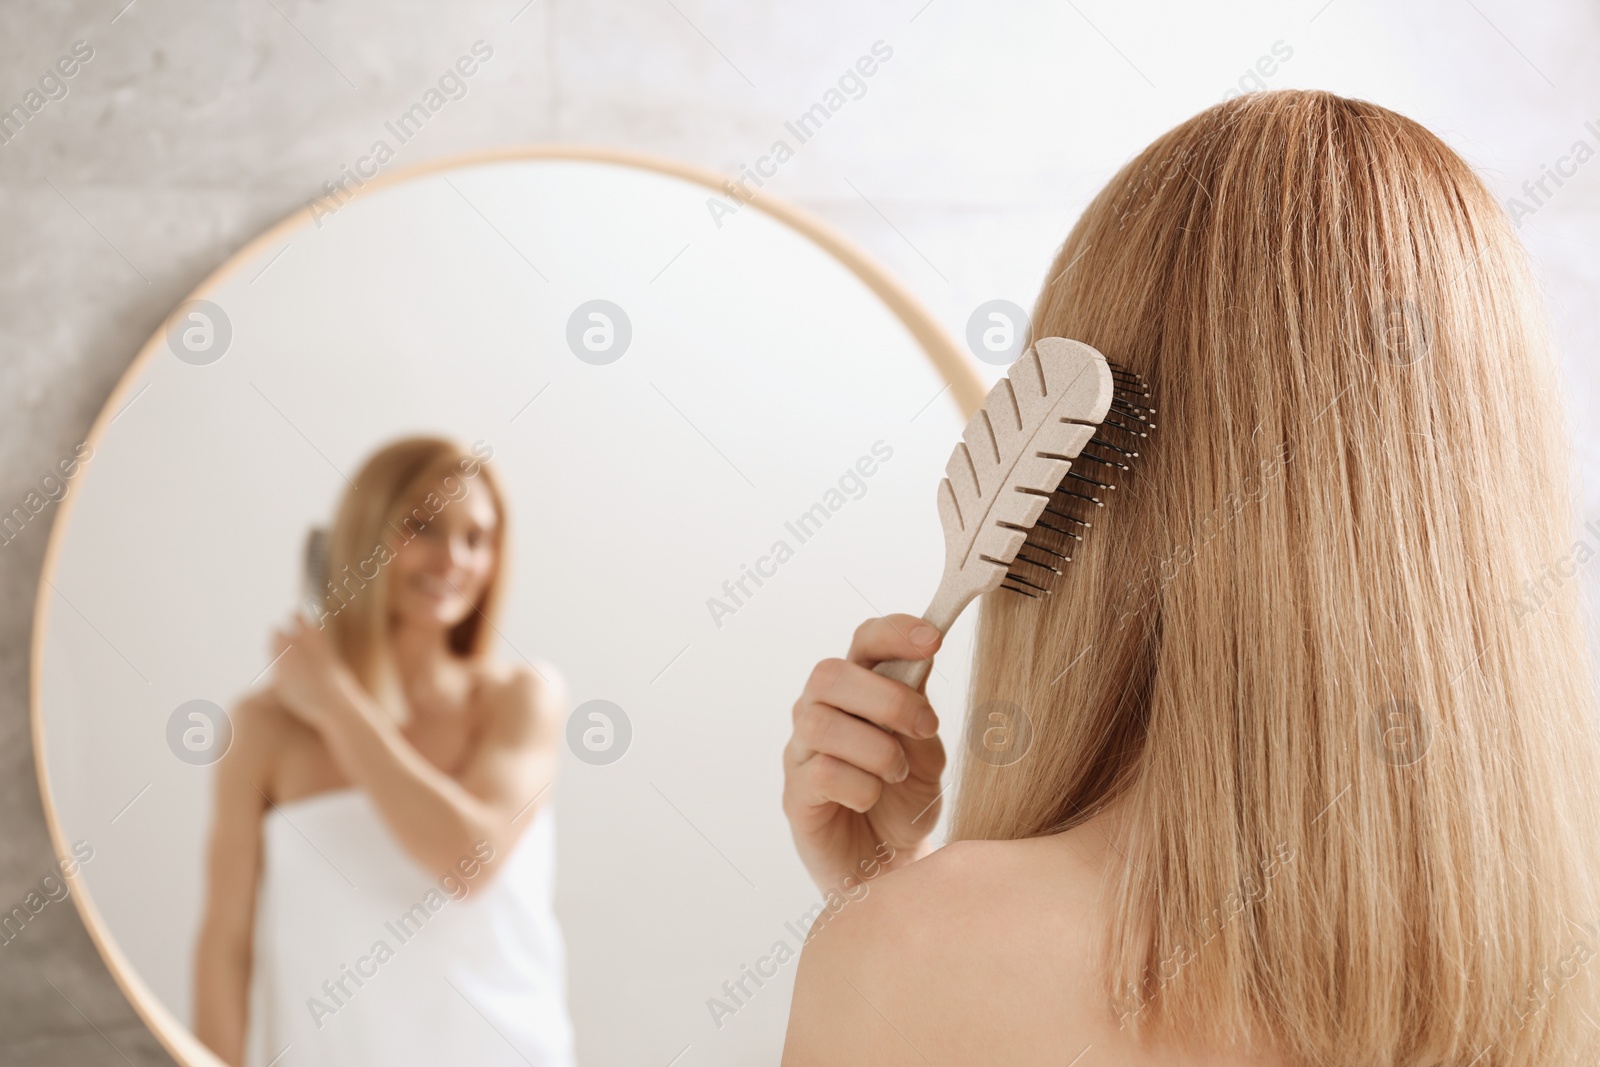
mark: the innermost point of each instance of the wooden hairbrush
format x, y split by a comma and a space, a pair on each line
1012, 504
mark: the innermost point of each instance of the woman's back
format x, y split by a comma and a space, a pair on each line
981, 953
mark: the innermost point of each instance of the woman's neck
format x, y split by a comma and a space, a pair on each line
424, 663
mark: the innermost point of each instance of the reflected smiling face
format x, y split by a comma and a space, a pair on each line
440, 575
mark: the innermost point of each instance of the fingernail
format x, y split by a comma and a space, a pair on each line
924, 635
927, 723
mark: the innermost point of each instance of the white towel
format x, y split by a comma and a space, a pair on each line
361, 956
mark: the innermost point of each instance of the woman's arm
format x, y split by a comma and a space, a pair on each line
233, 869
438, 819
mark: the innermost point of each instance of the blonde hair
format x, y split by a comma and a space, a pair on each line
1356, 760
398, 490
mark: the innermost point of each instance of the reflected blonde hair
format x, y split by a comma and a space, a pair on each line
397, 491
1356, 759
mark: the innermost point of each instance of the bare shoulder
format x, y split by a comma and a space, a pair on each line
521, 697
1015, 891
980, 952
263, 727
265, 734
983, 952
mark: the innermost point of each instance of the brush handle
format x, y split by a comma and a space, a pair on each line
948, 604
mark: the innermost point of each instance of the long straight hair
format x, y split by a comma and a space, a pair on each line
397, 492
1355, 754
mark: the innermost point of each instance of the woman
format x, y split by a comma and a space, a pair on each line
381, 851
1309, 778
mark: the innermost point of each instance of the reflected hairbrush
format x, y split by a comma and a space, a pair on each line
314, 571
1052, 437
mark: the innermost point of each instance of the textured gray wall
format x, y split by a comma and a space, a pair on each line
195, 125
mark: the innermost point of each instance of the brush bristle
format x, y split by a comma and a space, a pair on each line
315, 573
1055, 538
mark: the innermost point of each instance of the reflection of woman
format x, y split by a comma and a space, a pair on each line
381, 850
1294, 765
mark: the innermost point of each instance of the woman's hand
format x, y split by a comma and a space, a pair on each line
862, 768
311, 680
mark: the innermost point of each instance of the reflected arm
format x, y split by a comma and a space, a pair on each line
442, 821
223, 952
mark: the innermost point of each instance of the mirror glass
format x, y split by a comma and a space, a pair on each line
718, 446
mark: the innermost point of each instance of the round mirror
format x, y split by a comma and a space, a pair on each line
714, 432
